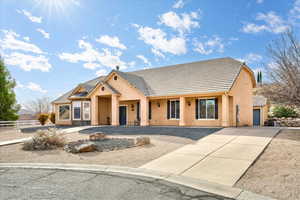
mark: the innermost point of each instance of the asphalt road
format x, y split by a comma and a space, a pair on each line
61, 184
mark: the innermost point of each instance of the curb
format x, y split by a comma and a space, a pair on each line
197, 184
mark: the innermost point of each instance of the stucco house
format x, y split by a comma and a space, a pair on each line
215, 92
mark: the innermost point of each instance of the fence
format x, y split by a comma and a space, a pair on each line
18, 124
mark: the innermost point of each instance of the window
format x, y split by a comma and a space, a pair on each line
173, 109
64, 112
86, 110
76, 110
206, 109
115, 78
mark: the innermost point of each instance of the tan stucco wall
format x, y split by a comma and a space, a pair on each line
241, 93
62, 122
127, 91
131, 111
159, 114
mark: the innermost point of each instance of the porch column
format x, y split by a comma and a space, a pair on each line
144, 105
94, 110
225, 110
114, 110
182, 111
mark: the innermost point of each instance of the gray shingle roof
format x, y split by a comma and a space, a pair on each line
259, 100
89, 86
216, 75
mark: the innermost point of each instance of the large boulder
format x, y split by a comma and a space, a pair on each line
86, 147
97, 136
80, 147
140, 141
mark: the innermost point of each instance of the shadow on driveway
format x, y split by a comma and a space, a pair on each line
191, 133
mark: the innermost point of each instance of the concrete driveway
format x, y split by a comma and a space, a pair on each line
222, 157
63, 184
191, 133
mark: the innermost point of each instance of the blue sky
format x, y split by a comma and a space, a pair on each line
50, 46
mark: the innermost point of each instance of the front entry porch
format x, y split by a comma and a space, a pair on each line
210, 111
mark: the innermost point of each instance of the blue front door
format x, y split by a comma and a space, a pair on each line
122, 115
256, 117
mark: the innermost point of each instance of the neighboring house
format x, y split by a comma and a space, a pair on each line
215, 92
260, 110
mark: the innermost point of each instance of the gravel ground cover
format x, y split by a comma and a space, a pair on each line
131, 157
277, 171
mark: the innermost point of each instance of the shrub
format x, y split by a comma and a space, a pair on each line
283, 111
45, 140
43, 117
52, 117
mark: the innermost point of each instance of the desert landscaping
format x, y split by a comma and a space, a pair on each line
276, 173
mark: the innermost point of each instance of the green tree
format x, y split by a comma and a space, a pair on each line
8, 103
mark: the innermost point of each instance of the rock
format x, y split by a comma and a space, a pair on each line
139, 141
97, 136
86, 147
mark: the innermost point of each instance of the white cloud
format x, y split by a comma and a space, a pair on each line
157, 39
111, 41
44, 33
272, 23
259, 1
28, 62
181, 23
157, 53
36, 87
214, 44
91, 65
19, 85
178, 4
294, 13
26, 39
101, 72
11, 41
251, 58
94, 58
30, 16
144, 59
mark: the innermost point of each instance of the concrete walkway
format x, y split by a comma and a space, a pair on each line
222, 157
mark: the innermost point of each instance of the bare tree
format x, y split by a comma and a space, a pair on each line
38, 106
284, 71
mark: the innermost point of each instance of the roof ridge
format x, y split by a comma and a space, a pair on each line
176, 65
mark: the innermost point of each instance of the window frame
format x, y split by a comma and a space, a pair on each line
73, 110
59, 119
199, 114
170, 109
83, 111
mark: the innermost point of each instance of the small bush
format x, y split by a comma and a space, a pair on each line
45, 140
52, 118
43, 117
283, 111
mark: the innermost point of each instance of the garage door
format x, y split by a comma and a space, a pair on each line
256, 117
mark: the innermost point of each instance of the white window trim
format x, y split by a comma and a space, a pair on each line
69, 112
205, 119
76, 119
83, 111
170, 118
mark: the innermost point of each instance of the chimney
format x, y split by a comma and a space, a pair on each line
117, 68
